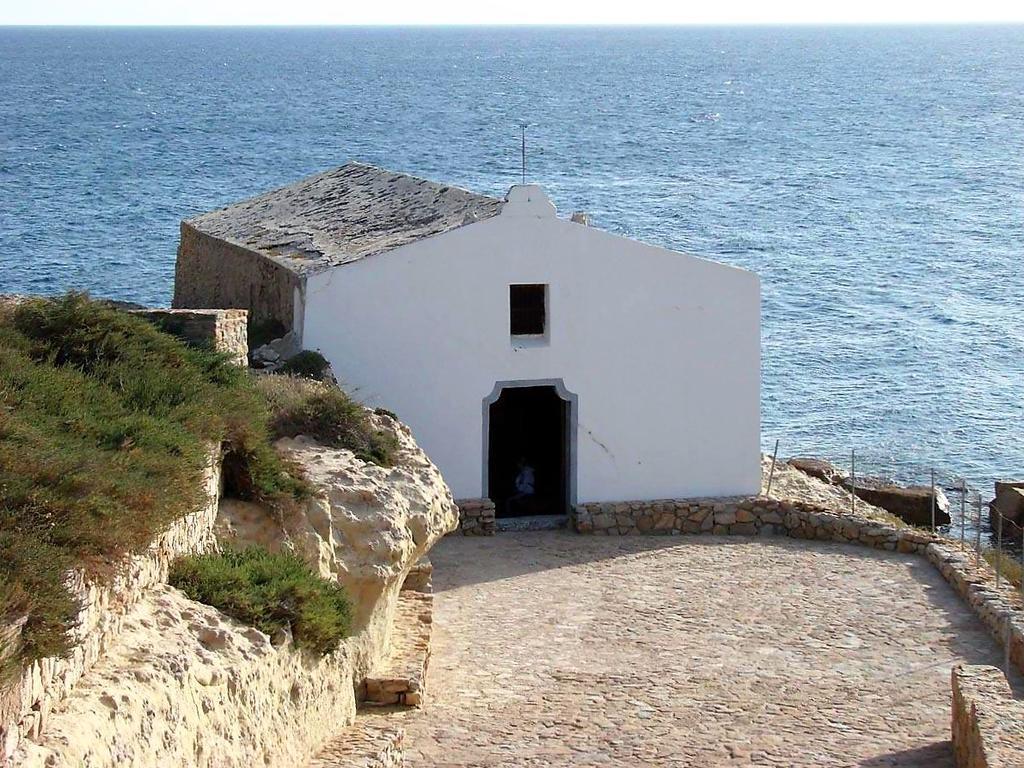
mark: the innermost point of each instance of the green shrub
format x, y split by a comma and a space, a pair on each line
307, 364
328, 415
269, 591
104, 428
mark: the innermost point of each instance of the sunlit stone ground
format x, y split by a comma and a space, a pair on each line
557, 649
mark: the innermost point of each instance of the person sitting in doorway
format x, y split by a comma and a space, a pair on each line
519, 503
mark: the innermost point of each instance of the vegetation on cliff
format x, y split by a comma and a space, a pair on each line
305, 407
307, 364
270, 591
105, 428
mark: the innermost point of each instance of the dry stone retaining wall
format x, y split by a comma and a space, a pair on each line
1000, 609
476, 517
988, 723
745, 516
103, 607
224, 329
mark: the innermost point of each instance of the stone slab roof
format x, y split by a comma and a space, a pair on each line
344, 215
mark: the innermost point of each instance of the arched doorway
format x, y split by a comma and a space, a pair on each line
529, 462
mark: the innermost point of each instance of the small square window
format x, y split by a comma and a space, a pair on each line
528, 305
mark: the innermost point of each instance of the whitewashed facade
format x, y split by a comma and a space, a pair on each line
656, 354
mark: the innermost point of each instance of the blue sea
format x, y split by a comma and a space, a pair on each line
873, 177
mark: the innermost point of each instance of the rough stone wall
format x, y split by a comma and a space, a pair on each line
987, 723
419, 577
744, 516
214, 273
103, 607
1000, 609
223, 329
476, 517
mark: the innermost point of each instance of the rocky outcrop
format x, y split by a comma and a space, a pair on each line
27, 701
819, 468
366, 526
1009, 501
187, 686
912, 504
183, 684
275, 353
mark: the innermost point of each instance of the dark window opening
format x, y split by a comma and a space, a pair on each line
528, 452
528, 312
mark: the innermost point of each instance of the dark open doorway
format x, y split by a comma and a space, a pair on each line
528, 440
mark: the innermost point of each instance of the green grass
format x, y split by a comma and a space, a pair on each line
269, 591
104, 428
303, 407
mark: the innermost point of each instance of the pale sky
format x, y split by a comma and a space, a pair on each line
251, 12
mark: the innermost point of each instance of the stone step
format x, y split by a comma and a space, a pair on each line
374, 740
401, 677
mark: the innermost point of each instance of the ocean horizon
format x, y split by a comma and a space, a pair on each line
873, 176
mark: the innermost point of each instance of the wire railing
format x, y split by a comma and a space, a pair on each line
957, 509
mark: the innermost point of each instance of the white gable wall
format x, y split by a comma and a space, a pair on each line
661, 349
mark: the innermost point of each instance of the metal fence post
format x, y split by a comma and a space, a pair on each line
853, 481
999, 545
963, 512
771, 472
933, 499
1007, 640
977, 535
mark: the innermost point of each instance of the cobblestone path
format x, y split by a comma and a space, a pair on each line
553, 649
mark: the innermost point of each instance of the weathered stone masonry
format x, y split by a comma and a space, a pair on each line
225, 330
211, 272
476, 517
744, 516
988, 724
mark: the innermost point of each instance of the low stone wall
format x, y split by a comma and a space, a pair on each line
1000, 609
103, 607
226, 330
744, 516
420, 576
476, 517
185, 685
987, 723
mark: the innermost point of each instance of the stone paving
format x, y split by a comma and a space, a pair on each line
553, 649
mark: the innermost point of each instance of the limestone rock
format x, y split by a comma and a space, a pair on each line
186, 685
819, 468
1009, 501
366, 526
911, 504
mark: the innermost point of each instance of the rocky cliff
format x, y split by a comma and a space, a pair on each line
183, 684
